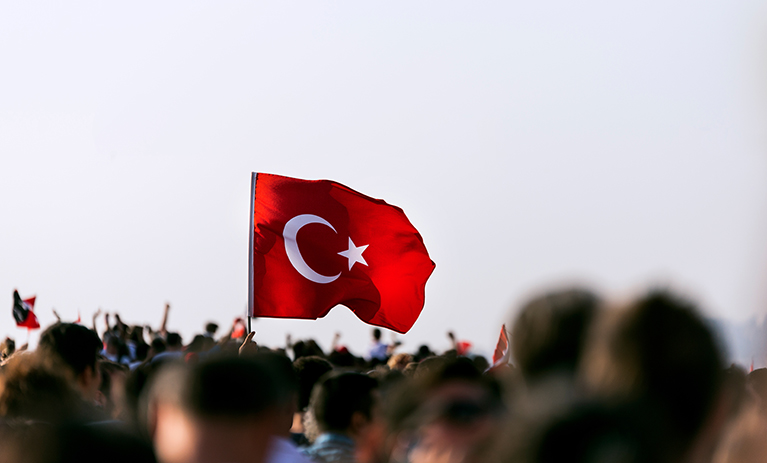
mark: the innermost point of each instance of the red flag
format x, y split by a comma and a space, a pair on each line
22, 312
501, 354
316, 244
462, 347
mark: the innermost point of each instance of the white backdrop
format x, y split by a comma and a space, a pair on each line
530, 142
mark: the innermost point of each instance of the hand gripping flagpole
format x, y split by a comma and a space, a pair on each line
253, 176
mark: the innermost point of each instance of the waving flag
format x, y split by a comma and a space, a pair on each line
22, 312
316, 244
501, 354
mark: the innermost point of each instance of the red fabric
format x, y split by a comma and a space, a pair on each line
502, 348
387, 292
463, 347
22, 312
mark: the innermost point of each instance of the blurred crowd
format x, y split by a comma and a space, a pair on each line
588, 380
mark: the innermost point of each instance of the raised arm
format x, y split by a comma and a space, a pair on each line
164, 324
95, 316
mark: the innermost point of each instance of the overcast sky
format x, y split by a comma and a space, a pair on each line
532, 143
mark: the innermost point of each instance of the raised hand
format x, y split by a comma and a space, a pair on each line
249, 346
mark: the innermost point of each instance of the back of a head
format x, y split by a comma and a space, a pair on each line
174, 341
658, 350
223, 387
75, 345
338, 396
309, 370
550, 331
580, 433
32, 390
282, 373
218, 409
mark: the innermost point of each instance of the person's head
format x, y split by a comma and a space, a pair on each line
658, 350
112, 396
7, 348
343, 403
307, 348
34, 389
399, 361
309, 370
158, 346
219, 409
376, 334
287, 383
591, 432
211, 328
174, 343
423, 352
113, 345
450, 405
76, 348
549, 332
198, 344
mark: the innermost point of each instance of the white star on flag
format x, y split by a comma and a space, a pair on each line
354, 254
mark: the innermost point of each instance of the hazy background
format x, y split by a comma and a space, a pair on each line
531, 143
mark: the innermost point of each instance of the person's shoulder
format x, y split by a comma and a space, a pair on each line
283, 451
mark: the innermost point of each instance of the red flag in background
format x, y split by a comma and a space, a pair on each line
316, 244
501, 354
22, 312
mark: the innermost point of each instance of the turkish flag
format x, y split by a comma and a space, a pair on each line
316, 244
22, 311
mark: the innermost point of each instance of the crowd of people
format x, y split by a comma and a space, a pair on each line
588, 381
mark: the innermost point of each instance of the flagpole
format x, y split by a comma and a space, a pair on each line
253, 176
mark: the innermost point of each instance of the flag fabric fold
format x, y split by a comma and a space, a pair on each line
316, 244
502, 352
22, 312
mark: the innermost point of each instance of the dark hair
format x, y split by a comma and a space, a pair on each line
235, 387
7, 348
77, 346
309, 370
211, 327
582, 433
173, 340
549, 332
158, 345
338, 396
32, 390
377, 334
659, 350
282, 373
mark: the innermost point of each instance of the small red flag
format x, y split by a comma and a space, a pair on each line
501, 354
316, 244
22, 311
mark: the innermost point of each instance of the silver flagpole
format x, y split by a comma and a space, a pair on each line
253, 176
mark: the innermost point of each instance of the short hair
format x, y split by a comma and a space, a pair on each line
549, 332
377, 334
218, 387
31, 389
211, 327
75, 345
309, 370
660, 350
7, 348
174, 340
338, 396
158, 344
282, 373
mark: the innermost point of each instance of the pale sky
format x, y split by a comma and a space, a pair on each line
531, 143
